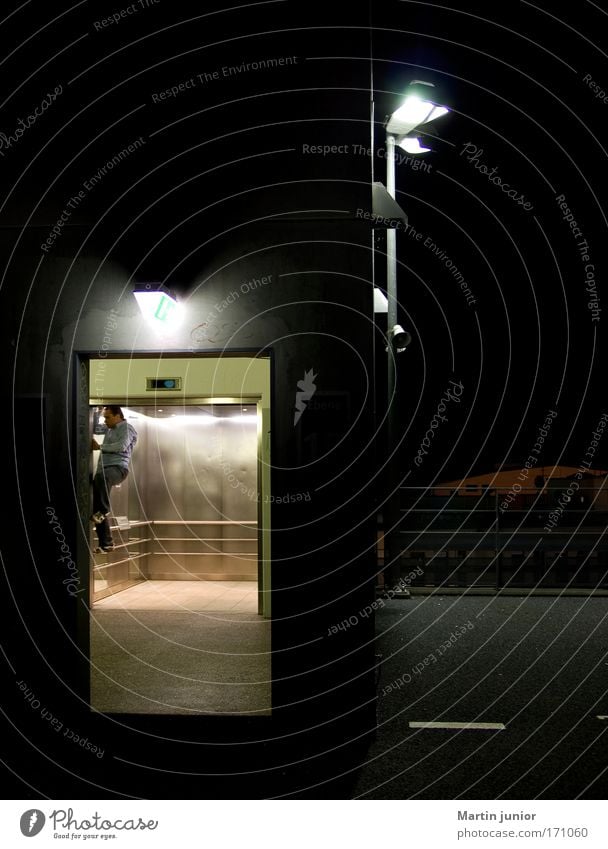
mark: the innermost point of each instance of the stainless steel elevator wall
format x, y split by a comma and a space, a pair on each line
194, 482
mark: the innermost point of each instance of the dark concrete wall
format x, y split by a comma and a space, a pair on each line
184, 209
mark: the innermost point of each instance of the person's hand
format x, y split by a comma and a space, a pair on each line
95, 445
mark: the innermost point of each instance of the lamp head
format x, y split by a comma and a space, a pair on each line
420, 107
411, 144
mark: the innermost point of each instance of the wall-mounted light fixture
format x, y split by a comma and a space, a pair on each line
399, 338
158, 305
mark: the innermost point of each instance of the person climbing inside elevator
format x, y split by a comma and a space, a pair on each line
112, 469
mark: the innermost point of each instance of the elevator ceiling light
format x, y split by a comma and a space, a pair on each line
158, 304
196, 419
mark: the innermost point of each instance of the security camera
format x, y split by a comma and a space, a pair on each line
399, 338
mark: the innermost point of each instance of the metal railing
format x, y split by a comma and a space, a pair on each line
549, 536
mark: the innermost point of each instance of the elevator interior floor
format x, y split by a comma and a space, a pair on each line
181, 647
238, 596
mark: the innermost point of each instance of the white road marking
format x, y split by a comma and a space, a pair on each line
476, 726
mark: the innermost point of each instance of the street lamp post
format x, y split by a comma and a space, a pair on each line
419, 108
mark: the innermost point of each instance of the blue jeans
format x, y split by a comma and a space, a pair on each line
105, 478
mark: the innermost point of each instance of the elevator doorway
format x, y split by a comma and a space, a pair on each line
188, 510
180, 609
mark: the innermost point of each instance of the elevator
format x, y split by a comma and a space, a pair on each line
180, 609
188, 510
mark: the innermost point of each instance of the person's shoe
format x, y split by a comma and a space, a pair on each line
97, 518
103, 549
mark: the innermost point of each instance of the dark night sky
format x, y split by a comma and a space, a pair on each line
522, 82
514, 75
